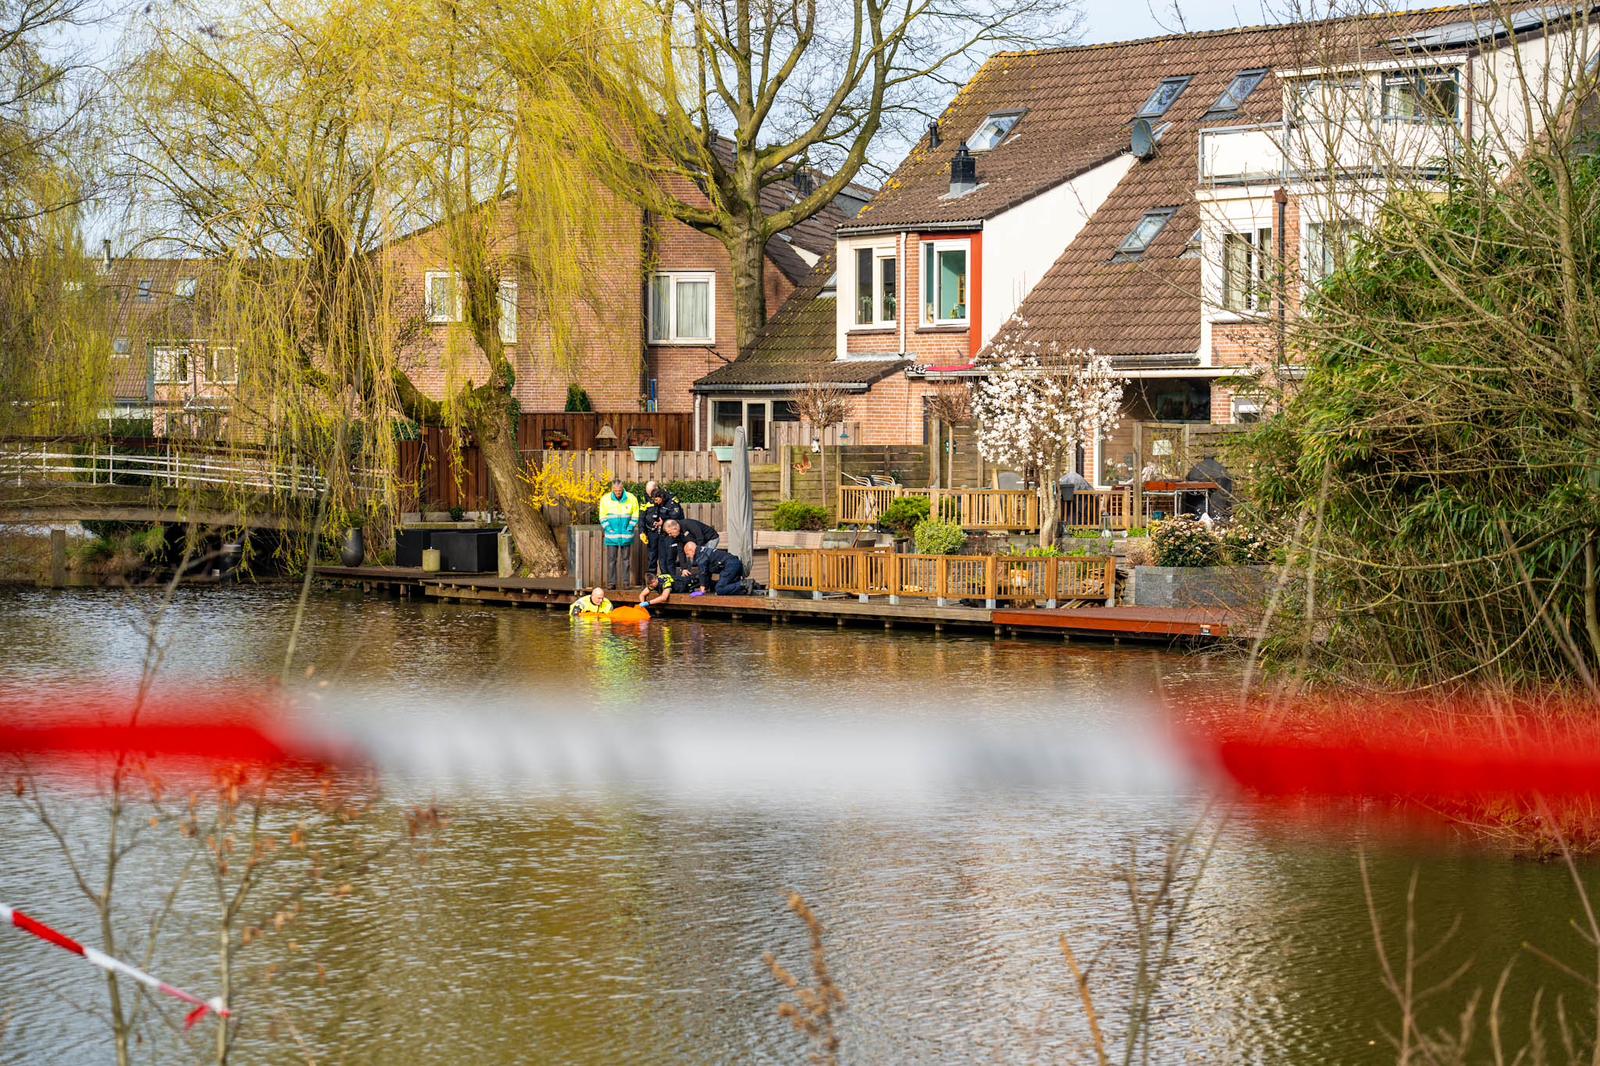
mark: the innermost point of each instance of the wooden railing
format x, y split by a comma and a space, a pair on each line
984, 509
1098, 509
942, 578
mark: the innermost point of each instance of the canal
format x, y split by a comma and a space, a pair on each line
587, 926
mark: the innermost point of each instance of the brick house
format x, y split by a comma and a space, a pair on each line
1166, 202
167, 368
660, 317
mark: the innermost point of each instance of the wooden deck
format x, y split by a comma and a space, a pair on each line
1103, 623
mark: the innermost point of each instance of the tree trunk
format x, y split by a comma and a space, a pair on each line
747, 255
1049, 507
491, 427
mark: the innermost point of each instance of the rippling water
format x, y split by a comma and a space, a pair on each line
610, 928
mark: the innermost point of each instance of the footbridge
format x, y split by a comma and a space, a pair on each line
56, 480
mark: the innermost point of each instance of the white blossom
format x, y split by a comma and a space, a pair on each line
1039, 401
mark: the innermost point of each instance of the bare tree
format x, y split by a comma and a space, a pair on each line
822, 404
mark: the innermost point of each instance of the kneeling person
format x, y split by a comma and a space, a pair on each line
721, 571
657, 589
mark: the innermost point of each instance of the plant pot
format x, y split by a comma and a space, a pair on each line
354, 549
724, 452
646, 453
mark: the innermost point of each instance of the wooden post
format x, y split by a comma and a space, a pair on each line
941, 580
58, 558
785, 473
1111, 581
863, 578
991, 580
1052, 582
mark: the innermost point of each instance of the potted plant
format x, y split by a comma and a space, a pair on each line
723, 447
646, 451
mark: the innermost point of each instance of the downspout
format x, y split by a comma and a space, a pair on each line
901, 301
1281, 197
697, 421
647, 265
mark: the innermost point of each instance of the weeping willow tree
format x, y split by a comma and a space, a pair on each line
1437, 472
314, 152
54, 353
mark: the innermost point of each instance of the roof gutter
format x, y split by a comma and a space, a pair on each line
789, 386
910, 227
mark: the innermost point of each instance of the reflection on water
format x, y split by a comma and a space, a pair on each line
624, 930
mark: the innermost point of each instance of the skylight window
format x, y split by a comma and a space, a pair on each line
992, 131
1145, 233
1238, 91
185, 289
1165, 96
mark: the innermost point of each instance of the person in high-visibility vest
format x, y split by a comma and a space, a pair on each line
593, 604
619, 519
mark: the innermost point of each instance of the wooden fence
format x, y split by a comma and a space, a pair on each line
1098, 509
942, 578
985, 509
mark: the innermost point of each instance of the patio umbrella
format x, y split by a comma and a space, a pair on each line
740, 506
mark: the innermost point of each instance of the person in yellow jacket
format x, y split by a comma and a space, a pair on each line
619, 520
594, 605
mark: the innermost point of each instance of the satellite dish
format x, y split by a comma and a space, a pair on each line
1143, 140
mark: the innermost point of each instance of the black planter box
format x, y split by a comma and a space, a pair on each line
467, 552
408, 545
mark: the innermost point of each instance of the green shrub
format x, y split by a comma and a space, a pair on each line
706, 491
458, 513
150, 542
791, 515
902, 516
1036, 552
386, 557
577, 399
91, 551
1185, 542
939, 538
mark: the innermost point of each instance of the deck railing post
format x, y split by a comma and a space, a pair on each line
1111, 581
863, 576
991, 580
1052, 571
816, 573
941, 580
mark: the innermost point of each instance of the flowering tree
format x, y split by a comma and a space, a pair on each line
1037, 404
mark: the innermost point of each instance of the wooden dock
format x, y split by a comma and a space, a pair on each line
1165, 624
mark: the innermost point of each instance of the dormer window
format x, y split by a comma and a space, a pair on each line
992, 131
1238, 91
1165, 96
185, 289
1421, 96
145, 290
1145, 233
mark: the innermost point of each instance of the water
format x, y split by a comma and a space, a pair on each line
603, 928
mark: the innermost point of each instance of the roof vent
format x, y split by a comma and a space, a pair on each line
933, 133
963, 172
1142, 139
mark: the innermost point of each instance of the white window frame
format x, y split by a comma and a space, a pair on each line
995, 118
434, 315
168, 364
508, 293
211, 365
1259, 239
675, 278
930, 276
1246, 404
1394, 80
880, 254
1314, 240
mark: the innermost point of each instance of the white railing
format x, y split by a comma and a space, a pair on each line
1278, 151
26, 463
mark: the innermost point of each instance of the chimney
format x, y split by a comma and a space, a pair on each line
933, 133
963, 172
105, 253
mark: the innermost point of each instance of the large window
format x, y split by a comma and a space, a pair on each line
1246, 270
1327, 248
944, 282
1339, 101
681, 308
222, 365
442, 296
875, 286
171, 364
1421, 96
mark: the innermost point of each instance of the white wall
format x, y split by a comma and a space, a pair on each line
1532, 72
1024, 242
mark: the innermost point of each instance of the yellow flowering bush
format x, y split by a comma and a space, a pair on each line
563, 482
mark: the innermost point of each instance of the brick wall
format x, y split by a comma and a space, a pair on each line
1254, 344
891, 412
927, 345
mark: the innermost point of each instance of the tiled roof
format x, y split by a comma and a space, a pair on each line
1151, 305
797, 346
1080, 101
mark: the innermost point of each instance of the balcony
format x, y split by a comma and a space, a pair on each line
1276, 152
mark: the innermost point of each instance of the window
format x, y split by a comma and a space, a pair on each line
1327, 248
222, 365
944, 282
1246, 409
1341, 101
1146, 231
726, 417
1421, 96
144, 289
185, 288
876, 276
508, 312
1238, 91
1246, 274
120, 346
681, 308
1191, 248
171, 365
442, 295
1165, 96
992, 131
785, 411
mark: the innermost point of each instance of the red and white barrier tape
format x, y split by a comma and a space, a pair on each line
30, 925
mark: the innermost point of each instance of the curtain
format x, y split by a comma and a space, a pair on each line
694, 310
